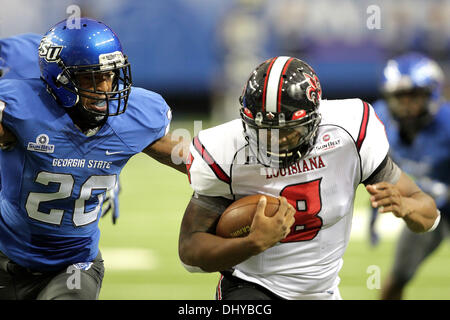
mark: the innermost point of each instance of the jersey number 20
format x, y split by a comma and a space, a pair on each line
305, 198
66, 183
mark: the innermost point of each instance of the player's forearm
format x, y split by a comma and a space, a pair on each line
212, 253
172, 153
168, 161
421, 212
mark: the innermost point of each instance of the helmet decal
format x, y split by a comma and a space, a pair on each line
314, 91
248, 113
298, 114
49, 51
112, 60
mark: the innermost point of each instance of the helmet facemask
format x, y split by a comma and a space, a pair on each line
280, 144
115, 99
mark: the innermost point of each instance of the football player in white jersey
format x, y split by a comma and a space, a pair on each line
311, 152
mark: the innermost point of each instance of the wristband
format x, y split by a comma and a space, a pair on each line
436, 222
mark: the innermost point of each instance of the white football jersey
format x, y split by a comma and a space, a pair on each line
351, 143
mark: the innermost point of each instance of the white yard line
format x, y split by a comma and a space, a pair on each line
124, 258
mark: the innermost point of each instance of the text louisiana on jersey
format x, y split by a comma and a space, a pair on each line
55, 178
351, 143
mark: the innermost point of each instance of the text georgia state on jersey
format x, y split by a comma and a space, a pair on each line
348, 149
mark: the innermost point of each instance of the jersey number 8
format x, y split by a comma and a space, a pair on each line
305, 197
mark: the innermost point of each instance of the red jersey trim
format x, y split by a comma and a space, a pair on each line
218, 171
363, 127
189, 165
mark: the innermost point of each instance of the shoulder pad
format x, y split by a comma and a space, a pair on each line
359, 119
146, 119
212, 153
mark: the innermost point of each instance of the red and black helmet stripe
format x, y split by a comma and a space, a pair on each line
269, 69
218, 171
280, 84
273, 84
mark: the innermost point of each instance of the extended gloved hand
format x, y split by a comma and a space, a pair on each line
111, 202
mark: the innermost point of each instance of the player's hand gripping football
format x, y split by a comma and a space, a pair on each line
387, 198
267, 231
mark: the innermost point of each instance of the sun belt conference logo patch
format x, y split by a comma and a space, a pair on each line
83, 265
41, 144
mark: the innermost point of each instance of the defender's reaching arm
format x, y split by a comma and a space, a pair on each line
393, 191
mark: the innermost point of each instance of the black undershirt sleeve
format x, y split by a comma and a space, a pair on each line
387, 171
214, 204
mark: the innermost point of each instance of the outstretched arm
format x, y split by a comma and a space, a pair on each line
170, 152
402, 197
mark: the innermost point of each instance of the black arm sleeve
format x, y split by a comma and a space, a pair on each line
215, 204
387, 171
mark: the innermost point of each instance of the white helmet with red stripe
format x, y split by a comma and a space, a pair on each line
280, 104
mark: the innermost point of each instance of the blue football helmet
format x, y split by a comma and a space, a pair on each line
414, 71
412, 85
66, 53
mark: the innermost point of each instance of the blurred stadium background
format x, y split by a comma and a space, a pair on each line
197, 54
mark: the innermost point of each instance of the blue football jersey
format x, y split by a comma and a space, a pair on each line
427, 159
55, 178
19, 56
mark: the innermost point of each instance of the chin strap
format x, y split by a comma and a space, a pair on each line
84, 119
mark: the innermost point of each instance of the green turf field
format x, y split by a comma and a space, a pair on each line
141, 254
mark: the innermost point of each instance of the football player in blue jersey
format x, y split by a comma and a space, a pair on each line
416, 121
66, 137
19, 60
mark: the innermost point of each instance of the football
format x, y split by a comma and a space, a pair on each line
236, 220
